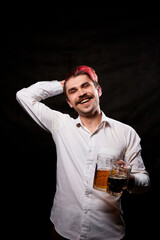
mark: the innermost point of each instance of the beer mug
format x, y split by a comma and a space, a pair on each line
117, 180
102, 171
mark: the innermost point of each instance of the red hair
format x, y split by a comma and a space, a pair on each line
83, 69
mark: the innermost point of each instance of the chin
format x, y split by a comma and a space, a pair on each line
86, 113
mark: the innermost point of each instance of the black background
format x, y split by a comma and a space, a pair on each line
123, 46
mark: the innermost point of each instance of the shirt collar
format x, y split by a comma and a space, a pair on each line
104, 119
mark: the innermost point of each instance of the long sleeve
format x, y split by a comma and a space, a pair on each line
29, 98
133, 157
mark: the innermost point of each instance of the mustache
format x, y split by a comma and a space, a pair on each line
83, 97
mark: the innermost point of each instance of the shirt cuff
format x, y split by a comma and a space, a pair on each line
141, 183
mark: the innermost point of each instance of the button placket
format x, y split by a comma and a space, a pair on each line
85, 223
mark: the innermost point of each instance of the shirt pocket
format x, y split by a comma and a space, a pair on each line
114, 153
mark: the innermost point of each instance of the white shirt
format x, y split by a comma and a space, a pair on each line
79, 211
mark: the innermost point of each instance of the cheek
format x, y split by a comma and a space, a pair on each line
97, 98
71, 101
96, 94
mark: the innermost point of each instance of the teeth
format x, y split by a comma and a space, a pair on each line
85, 100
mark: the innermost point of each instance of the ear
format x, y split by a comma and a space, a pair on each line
99, 89
69, 103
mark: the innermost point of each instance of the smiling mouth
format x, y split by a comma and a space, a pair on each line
84, 100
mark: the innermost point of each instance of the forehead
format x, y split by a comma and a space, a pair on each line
74, 82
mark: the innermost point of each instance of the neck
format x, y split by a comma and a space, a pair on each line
92, 122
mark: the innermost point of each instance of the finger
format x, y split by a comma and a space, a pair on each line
121, 162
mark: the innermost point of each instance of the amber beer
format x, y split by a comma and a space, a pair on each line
100, 179
102, 171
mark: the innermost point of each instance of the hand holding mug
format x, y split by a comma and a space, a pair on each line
118, 178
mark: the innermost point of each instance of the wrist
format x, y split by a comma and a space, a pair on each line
131, 182
62, 83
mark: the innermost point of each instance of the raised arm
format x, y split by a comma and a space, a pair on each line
29, 98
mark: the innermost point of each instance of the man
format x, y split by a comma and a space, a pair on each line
79, 211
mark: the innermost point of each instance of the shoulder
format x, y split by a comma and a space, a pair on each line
122, 128
64, 118
127, 133
118, 124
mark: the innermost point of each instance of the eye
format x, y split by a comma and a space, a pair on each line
86, 85
72, 91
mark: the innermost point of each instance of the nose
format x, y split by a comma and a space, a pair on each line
81, 92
